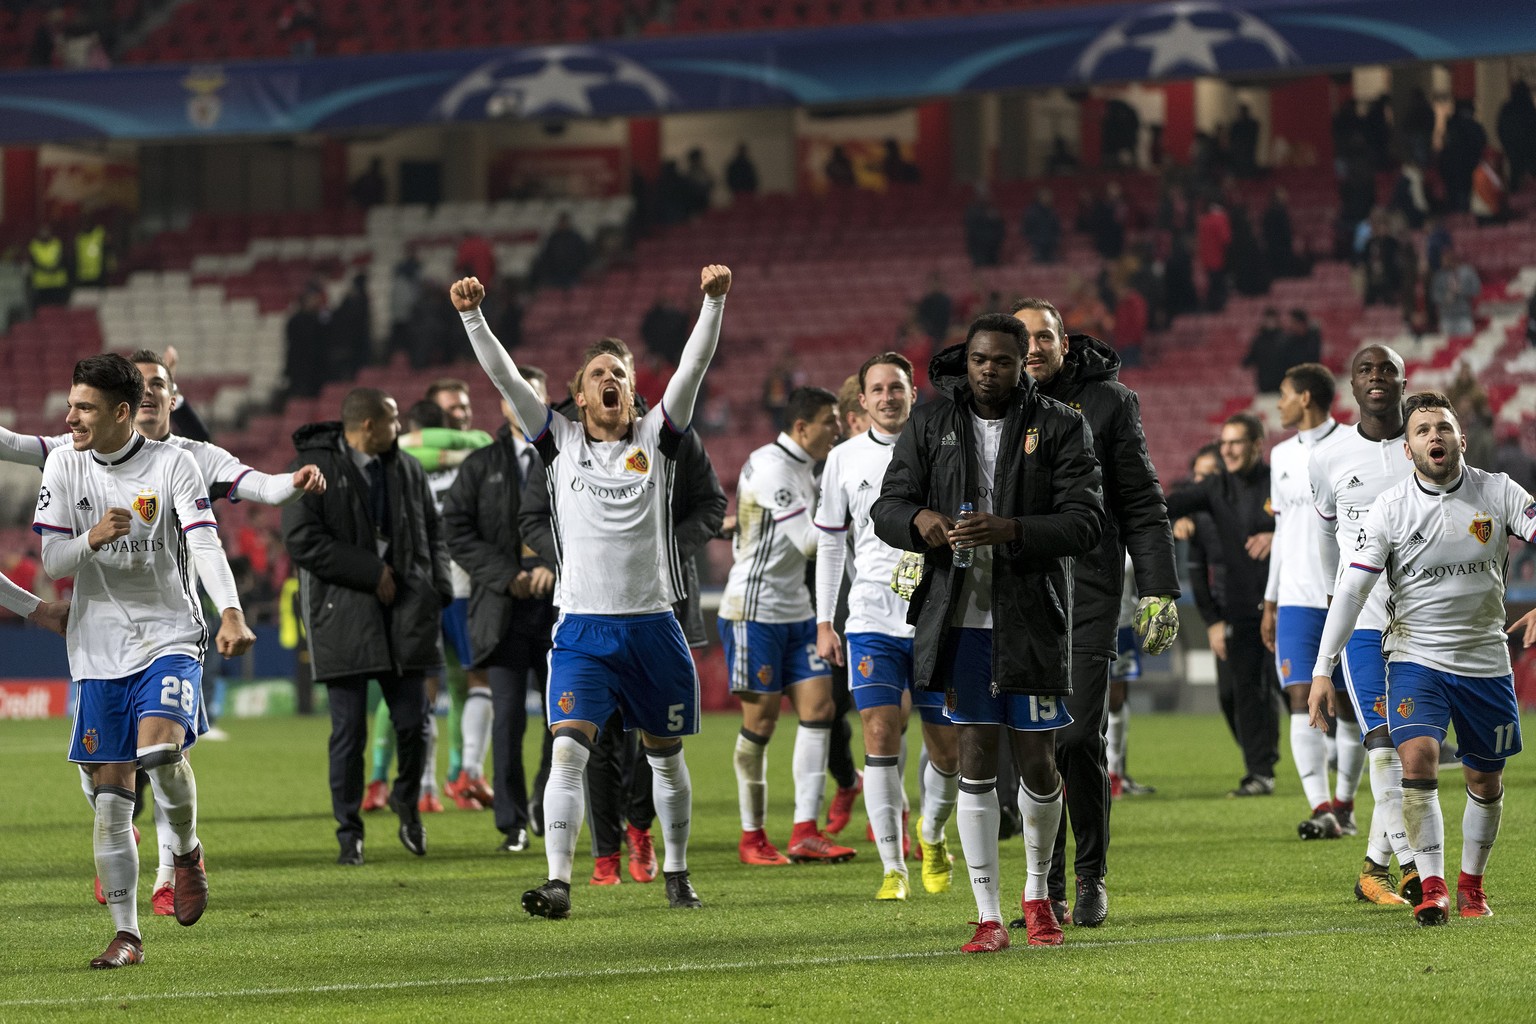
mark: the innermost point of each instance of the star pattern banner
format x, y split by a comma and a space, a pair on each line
886, 61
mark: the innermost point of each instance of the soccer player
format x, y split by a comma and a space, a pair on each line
124, 515
1440, 538
617, 644
768, 629
1347, 472
1026, 464
1296, 597
853, 421
879, 652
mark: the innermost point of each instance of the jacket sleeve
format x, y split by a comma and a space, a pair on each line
904, 491
1200, 581
313, 546
1076, 521
1139, 506
533, 516
1186, 501
437, 547
487, 562
705, 500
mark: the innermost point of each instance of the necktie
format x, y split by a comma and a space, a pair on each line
378, 497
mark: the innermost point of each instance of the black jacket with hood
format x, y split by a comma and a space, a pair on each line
331, 539
1136, 513
1046, 479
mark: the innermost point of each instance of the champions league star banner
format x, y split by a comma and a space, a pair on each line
889, 60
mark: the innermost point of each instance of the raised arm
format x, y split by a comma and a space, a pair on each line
466, 294
683, 389
27, 449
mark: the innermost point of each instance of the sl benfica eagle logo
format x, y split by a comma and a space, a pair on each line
1482, 527
637, 462
1031, 440
147, 505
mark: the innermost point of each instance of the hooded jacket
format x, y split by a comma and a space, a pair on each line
330, 537
1046, 479
1136, 512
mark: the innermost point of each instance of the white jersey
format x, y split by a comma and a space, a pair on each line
850, 483
134, 600
775, 503
1296, 577
1348, 472
611, 505
1444, 555
974, 608
226, 476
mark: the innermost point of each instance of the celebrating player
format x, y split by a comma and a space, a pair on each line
617, 645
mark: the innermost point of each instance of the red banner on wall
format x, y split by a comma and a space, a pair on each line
34, 698
573, 172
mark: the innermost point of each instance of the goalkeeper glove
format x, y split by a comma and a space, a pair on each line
907, 574
1157, 623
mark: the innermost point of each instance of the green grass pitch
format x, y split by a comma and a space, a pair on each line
1217, 912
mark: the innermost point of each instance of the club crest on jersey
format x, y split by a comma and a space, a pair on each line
1380, 707
567, 702
636, 461
1482, 527
765, 675
1031, 440
866, 666
1285, 668
1269, 507
90, 741
147, 505
1405, 707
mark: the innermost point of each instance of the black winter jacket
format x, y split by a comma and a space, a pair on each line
480, 515
1239, 505
330, 537
1046, 479
1137, 515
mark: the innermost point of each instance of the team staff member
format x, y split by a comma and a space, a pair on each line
373, 578
1238, 500
1082, 372
1026, 464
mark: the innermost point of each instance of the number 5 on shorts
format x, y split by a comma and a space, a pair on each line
674, 717
177, 693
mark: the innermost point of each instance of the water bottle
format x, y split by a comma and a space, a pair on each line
965, 556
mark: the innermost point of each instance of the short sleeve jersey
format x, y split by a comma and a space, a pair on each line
775, 501
1348, 472
611, 505
850, 483
1444, 555
134, 600
1293, 562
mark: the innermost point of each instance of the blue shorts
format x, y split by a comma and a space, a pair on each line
639, 665
1298, 632
880, 671
108, 713
1484, 709
766, 657
970, 700
456, 629
1127, 664
1365, 677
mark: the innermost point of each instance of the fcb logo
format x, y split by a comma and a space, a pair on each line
1269, 507
765, 675
90, 741
636, 462
1031, 440
1405, 707
1380, 707
951, 700
567, 702
866, 666
147, 505
1285, 668
1482, 527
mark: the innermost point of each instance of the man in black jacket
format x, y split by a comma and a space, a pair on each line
1026, 464
1082, 372
1238, 501
373, 581
510, 613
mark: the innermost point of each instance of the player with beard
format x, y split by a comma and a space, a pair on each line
879, 651
1348, 471
1440, 538
617, 645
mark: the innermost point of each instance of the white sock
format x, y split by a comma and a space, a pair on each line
429, 763
176, 796
1114, 739
1042, 817
165, 839
809, 768
88, 785
1351, 764
1387, 788
1331, 745
976, 818
901, 769
1479, 828
117, 857
672, 791
939, 792
1309, 749
1425, 826
564, 803
882, 802
475, 724
752, 780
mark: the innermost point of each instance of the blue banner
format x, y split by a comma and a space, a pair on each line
885, 61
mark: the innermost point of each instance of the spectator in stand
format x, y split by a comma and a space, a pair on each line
935, 310
701, 183
674, 194
48, 41
369, 188
1408, 196
94, 261
1213, 237
503, 310
1061, 160
839, 169
1303, 340
1377, 128
350, 344
1243, 139
299, 26
784, 378
1475, 412
1279, 240
741, 174
1517, 133
1107, 222
404, 283
476, 258
305, 335
1437, 242
1418, 126
1250, 268
1460, 152
1267, 353
1453, 289
1086, 312
897, 168
564, 256
49, 269
1131, 319
1179, 277
664, 329
1041, 228
1121, 133
1490, 202
1382, 263
984, 230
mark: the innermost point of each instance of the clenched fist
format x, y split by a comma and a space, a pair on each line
467, 292
714, 279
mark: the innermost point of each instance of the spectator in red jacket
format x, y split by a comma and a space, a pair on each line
1213, 237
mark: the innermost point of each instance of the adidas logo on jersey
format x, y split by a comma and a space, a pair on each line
84, 505
1353, 481
948, 440
585, 463
864, 485
1417, 538
1285, 476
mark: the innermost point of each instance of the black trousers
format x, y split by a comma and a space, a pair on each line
1253, 696
406, 696
618, 787
1081, 759
508, 670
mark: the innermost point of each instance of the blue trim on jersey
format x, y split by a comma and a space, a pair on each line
108, 711
1423, 701
832, 529
1365, 678
671, 423
549, 417
232, 497
204, 522
784, 519
1372, 569
970, 700
38, 529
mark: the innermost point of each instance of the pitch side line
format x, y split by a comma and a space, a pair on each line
652, 971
